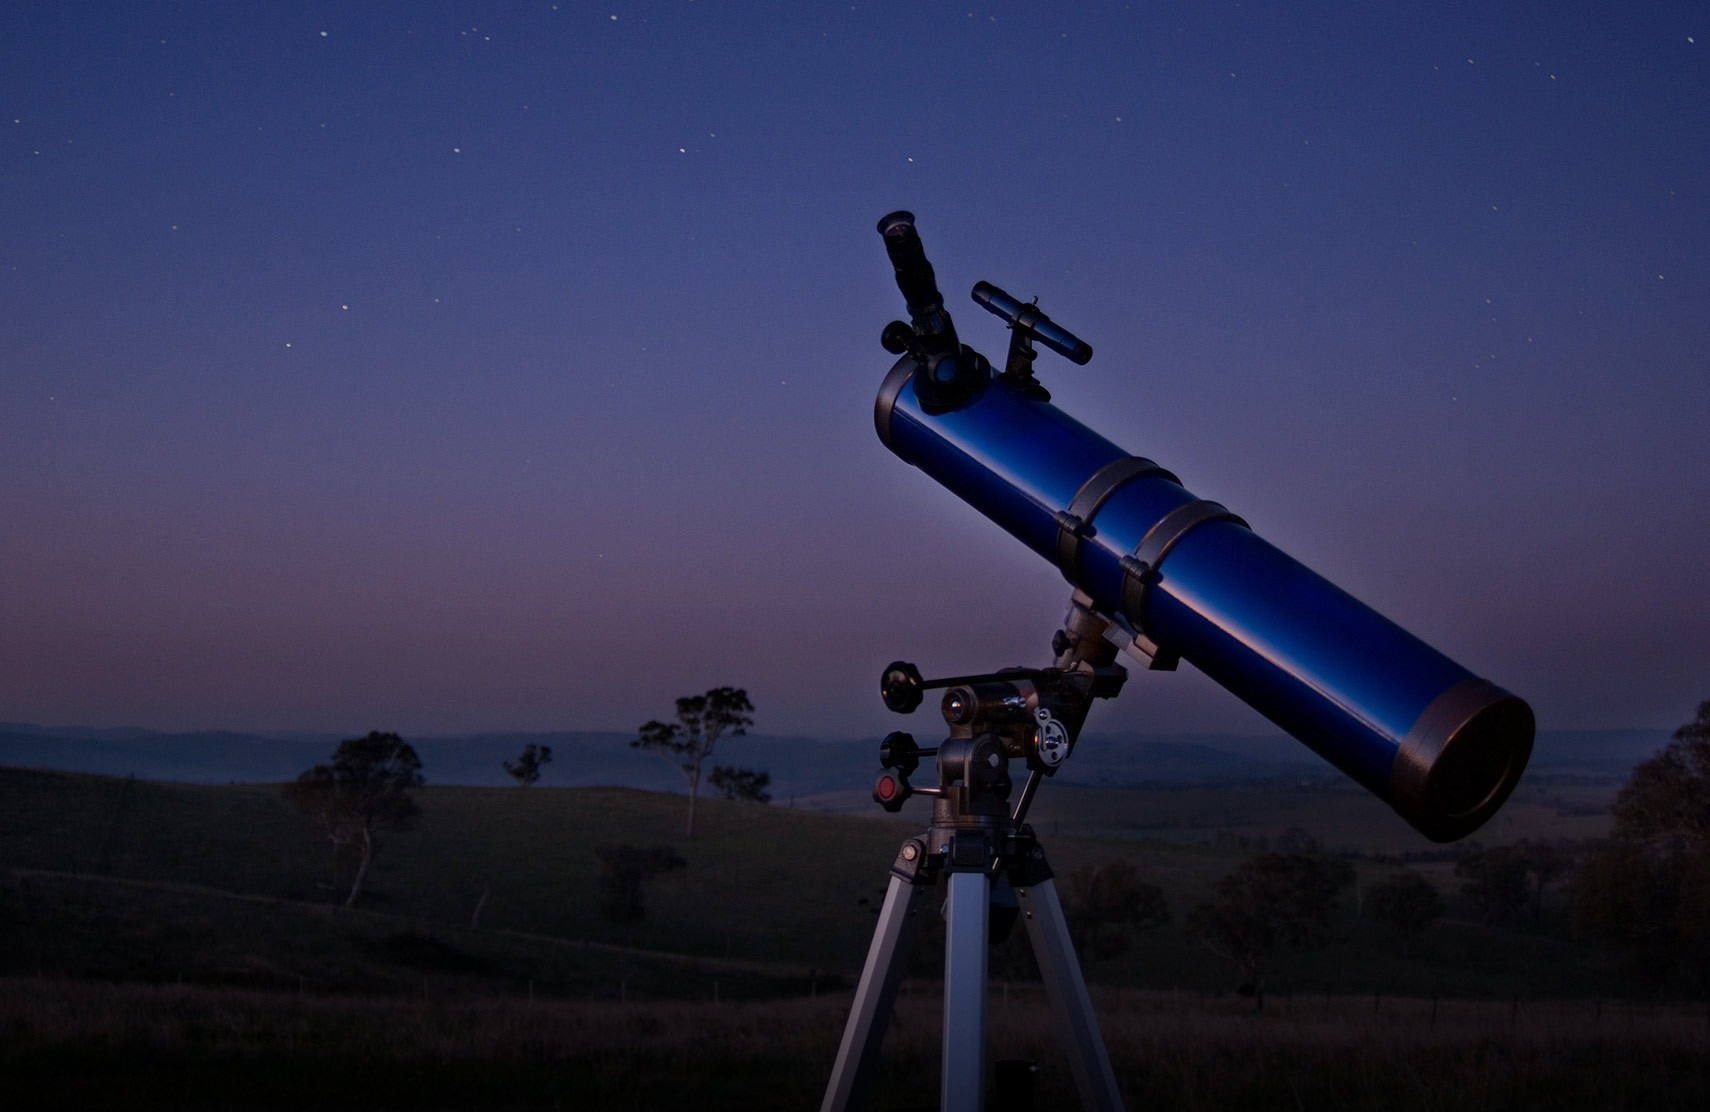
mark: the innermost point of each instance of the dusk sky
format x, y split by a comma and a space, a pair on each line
437, 367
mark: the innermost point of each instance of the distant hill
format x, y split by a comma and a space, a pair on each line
579, 758
1596, 752
799, 766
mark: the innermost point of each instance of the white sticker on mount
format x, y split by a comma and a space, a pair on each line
1051, 740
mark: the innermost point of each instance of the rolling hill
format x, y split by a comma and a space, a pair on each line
800, 766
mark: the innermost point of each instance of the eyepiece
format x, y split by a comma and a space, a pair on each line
919, 285
898, 219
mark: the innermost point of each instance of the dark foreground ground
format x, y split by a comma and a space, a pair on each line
84, 1045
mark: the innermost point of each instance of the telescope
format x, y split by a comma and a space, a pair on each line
1163, 575
1182, 578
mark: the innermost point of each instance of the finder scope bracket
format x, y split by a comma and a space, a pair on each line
1026, 324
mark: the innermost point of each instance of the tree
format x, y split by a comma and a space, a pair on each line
527, 769
1298, 839
687, 743
1545, 864
1104, 905
1495, 881
1648, 890
624, 873
1273, 901
365, 790
1629, 899
1407, 903
745, 784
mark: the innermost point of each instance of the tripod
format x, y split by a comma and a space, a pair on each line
978, 843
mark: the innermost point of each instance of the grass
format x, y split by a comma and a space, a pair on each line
122, 878
1340, 814
524, 857
174, 945
90, 1046
59, 926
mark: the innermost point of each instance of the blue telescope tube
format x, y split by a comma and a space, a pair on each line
1189, 580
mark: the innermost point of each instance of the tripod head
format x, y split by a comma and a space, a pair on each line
1033, 715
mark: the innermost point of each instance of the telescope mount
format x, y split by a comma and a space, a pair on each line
994, 866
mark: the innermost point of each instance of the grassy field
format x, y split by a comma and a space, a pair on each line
85, 1045
1346, 818
792, 890
210, 914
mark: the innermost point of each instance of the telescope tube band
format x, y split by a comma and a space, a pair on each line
1073, 522
1189, 579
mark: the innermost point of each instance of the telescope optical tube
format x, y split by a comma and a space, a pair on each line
1189, 579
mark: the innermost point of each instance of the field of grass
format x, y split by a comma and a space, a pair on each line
85, 1045
1346, 818
762, 882
123, 902
793, 890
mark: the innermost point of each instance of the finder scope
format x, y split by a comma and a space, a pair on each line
1182, 578
1028, 317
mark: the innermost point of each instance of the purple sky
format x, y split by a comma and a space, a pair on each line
436, 367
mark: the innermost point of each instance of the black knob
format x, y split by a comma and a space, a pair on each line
899, 751
900, 686
897, 338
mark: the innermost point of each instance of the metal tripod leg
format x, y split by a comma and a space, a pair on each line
875, 995
966, 939
967, 923
1067, 990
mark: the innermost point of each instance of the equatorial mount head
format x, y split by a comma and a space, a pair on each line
1031, 714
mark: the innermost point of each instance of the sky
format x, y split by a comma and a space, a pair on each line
439, 367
